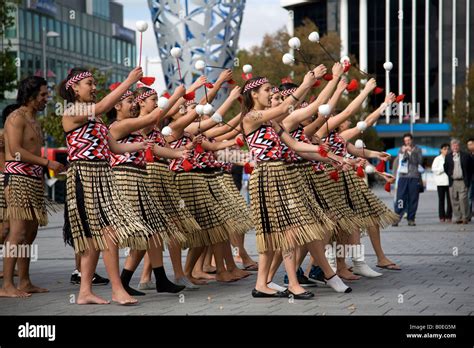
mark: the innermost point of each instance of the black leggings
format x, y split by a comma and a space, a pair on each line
443, 196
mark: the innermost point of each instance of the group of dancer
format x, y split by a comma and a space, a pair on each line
157, 177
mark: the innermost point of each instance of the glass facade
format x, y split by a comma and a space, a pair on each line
85, 40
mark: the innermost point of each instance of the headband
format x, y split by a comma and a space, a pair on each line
127, 94
77, 78
255, 84
275, 90
287, 92
144, 95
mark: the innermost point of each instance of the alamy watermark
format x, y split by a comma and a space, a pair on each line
19, 251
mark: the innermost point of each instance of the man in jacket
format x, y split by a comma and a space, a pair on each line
458, 167
408, 191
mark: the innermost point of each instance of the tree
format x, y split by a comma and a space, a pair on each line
8, 68
462, 119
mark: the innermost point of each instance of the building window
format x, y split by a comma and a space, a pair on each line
78, 40
102, 47
64, 36
71, 38
96, 45
28, 26
114, 51
107, 48
84, 42
134, 55
57, 28
11, 32
21, 23
36, 28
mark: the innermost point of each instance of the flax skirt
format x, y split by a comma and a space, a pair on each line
283, 213
205, 208
327, 193
240, 208
132, 182
363, 202
95, 206
25, 199
161, 186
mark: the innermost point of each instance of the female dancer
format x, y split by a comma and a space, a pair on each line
131, 175
97, 218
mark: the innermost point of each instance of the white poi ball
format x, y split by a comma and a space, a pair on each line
200, 65
388, 66
345, 60
369, 169
324, 109
359, 144
166, 131
163, 102
314, 36
216, 118
141, 26
294, 43
200, 109
176, 52
362, 126
288, 59
247, 69
207, 109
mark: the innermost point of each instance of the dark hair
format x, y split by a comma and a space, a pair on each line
8, 110
135, 110
287, 85
444, 145
247, 101
29, 88
68, 94
469, 140
408, 135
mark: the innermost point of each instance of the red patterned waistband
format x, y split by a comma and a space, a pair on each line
23, 168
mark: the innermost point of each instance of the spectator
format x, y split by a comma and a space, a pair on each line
470, 148
458, 168
442, 183
409, 181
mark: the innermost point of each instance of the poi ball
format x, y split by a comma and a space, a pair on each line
359, 144
324, 109
369, 169
207, 109
200, 65
345, 60
294, 43
163, 102
166, 131
247, 69
314, 36
141, 26
362, 125
176, 52
199, 109
216, 118
388, 66
288, 59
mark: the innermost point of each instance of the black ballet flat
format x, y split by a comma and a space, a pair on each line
259, 294
303, 296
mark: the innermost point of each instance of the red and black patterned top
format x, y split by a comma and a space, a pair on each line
176, 165
288, 154
136, 158
227, 167
337, 144
265, 144
88, 142
23, 168
159, 139
206, 159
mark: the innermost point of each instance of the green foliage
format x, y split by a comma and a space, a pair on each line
462, 117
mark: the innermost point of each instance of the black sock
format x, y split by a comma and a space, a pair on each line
126, 276
162, 282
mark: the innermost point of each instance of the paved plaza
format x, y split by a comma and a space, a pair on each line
437, 279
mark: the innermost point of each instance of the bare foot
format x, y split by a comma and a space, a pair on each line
123, 298
31, 289
296, 289
196, 281
239, 274
209, 269
386, 262
204, 275
90, 298
347, 275
238, 259
225, 277
11, 291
